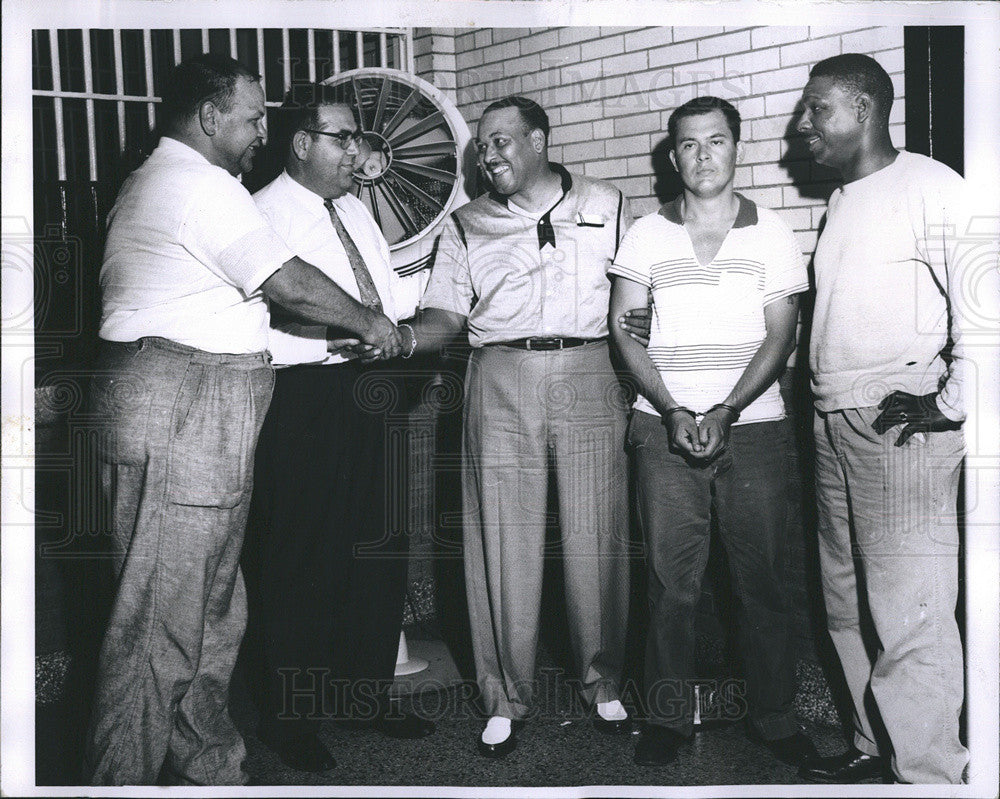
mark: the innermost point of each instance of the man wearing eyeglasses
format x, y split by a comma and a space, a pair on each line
328, 582
180, 389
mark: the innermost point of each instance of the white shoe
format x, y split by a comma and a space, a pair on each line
497, 731
611, 711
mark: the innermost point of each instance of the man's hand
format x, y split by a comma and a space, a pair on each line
917, 414
352, 349
713, 432
384, 336
682, 432
637, 321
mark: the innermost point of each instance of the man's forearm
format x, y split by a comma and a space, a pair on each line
303, 289
770, 359
643, 370
434, 328
764, 368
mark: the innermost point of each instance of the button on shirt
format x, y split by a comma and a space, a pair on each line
303, 222
186, 253
493, 268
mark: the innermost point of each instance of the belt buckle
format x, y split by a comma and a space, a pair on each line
547, 340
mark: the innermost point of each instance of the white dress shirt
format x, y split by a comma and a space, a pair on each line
301, 219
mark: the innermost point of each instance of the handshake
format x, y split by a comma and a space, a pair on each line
381, 341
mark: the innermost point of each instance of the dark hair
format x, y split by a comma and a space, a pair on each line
703, 105
859, 73
300, 109
205, 78
532, 114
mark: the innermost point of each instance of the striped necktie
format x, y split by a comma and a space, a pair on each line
366, 286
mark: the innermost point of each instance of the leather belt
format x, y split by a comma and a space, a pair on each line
547, 343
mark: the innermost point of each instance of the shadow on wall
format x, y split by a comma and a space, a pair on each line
813, 181
666, 181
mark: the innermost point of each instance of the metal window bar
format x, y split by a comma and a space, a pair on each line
147, 45
57, 106
402, 48
88, 88
311, 53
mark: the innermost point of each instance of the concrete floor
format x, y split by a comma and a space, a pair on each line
556, 748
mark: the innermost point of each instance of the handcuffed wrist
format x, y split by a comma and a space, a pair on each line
722, 406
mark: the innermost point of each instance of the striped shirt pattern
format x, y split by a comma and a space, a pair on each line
708, 320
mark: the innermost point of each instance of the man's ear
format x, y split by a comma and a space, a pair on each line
740, 151
673, 159
538, 140
301, 142
864, 107
208, 118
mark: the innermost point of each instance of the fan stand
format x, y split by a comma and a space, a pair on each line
404, 663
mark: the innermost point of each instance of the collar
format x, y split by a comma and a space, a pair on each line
301, 194
178, 149
746, 215
546, 233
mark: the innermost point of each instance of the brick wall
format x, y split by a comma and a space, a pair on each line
609, 93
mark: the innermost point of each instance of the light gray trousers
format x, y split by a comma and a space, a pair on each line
900, 504
523, 408
179, 428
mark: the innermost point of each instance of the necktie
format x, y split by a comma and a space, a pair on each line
369, 294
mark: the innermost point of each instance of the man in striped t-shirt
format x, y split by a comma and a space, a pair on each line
708, 432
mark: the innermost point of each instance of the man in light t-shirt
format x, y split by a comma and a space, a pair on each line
708, 433
182, 384
889, 369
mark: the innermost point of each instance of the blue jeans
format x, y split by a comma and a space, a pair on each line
745, 488
178, 430
887, 515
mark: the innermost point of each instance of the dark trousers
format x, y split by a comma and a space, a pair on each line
329, 579
745, 488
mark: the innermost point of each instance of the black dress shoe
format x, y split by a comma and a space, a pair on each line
612, 726
794, 749
657, 746
404, 725
305, 752
502, 749
850, 767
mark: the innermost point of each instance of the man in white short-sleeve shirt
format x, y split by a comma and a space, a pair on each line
708, 434
182, 384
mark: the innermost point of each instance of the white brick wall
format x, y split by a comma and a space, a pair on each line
609, 92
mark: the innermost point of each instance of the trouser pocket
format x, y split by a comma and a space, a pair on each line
211, 434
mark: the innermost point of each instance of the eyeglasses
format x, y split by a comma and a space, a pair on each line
343, 137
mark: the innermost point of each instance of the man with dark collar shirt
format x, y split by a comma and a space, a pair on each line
525, 268
708, 433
